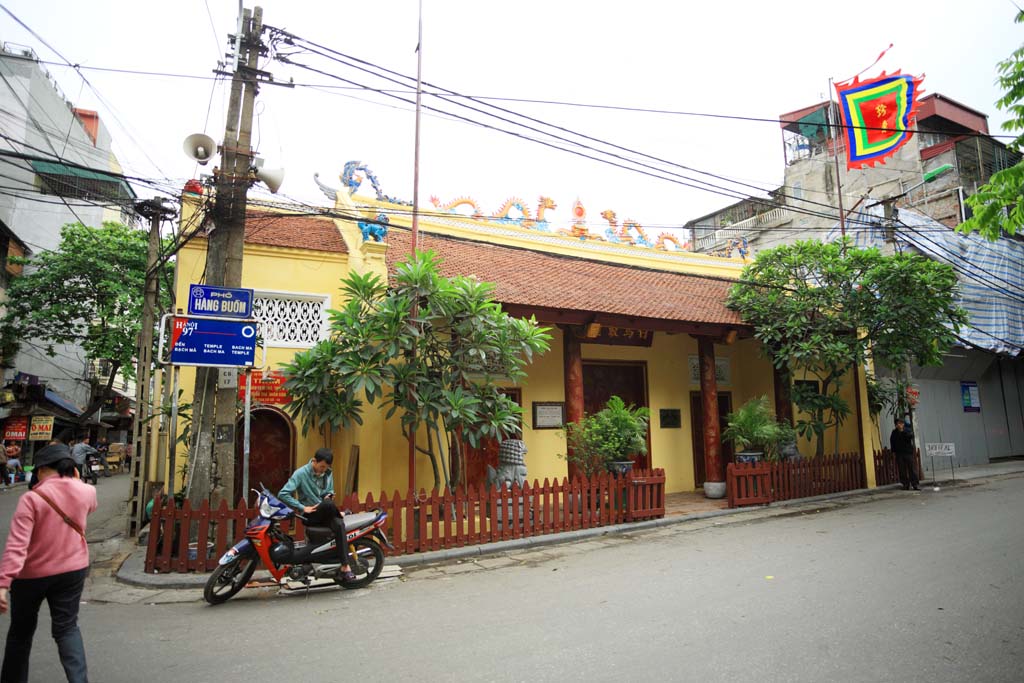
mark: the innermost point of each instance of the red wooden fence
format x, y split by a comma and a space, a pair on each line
886, 470
422, 522
764, 482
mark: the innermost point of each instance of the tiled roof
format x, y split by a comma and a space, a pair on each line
271, 229
536, 279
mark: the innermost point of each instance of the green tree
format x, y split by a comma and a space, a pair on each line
87, 293
431, 348
997, 206
613, 434
822, 308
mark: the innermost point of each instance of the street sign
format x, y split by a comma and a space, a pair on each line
212, 342
940, 450
226, 302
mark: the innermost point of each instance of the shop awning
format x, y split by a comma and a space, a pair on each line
73, 181
61, 402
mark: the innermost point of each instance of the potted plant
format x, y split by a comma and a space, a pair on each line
756, 433
607, 439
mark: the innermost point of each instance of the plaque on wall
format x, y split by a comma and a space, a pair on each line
723, 371
548, 414
670, 418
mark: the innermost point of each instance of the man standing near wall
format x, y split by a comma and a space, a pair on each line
902, 444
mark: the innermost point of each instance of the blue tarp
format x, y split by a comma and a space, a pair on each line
991, 274
58, 400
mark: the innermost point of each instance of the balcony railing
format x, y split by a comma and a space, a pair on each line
769, 219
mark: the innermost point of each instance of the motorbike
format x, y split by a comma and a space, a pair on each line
289, 560
91, 470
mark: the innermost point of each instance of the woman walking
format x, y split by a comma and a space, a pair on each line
46, 557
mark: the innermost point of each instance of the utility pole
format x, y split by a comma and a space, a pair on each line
212, 469
155, 211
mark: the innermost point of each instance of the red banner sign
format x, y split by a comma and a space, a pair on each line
16, 429
266, 388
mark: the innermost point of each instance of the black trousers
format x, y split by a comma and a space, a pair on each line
908, 469
326, 514
63, 593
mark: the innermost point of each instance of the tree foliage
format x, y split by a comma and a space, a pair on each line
430, 348
997, 205
819, 309
89, 292
613, 434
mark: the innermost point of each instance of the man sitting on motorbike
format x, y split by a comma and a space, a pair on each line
310, 490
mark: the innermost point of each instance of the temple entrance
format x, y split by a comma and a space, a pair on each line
697, 425
477, 459
271, 450
627, 380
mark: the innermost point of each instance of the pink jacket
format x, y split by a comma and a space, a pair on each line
40, 543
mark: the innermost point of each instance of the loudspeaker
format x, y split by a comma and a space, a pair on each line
271, 177
199, 147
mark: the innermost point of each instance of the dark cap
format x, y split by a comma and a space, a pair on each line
51, 455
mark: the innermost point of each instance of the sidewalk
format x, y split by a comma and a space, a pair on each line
187, 587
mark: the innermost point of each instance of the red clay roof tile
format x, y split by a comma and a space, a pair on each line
533, 278
316, 233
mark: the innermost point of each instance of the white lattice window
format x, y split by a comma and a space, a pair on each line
291, 320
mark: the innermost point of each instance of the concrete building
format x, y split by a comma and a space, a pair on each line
54, 157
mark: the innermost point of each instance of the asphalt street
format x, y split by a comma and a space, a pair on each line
897, 587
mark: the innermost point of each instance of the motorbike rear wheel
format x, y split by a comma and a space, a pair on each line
228, 579
367, 563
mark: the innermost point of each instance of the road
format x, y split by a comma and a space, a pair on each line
898, 587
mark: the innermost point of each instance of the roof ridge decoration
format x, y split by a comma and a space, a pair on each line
356, 172
578, 230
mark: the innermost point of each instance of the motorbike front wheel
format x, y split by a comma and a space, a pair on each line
228, 579
367, 562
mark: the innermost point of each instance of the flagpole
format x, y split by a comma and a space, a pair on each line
413, 242
835, 156
416, 152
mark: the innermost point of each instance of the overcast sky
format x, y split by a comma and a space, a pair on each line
741, 58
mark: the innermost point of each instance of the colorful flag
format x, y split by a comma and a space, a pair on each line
876, 116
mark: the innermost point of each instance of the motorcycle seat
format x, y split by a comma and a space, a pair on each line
319, 534
359, 519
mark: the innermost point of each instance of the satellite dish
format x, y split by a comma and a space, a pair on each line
200, 147
271, 177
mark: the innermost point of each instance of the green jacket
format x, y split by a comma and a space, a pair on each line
306, 487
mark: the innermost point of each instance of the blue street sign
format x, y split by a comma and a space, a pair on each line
222, 343
219, 301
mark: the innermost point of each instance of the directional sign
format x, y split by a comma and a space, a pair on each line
219, 343
225, 302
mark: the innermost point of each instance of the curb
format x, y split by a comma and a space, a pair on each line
132, 571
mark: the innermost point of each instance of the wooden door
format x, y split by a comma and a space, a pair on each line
477, 459
697, 423
271, 451
628, 381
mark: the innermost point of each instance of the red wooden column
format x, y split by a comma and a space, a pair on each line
573, 359
783, 395
714, 484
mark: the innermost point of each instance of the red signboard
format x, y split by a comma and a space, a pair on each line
266, 388
16, 429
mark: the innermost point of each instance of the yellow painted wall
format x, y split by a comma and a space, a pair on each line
292, 271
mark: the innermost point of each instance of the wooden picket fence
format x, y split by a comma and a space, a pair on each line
886, 469
423, 522
764, 482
